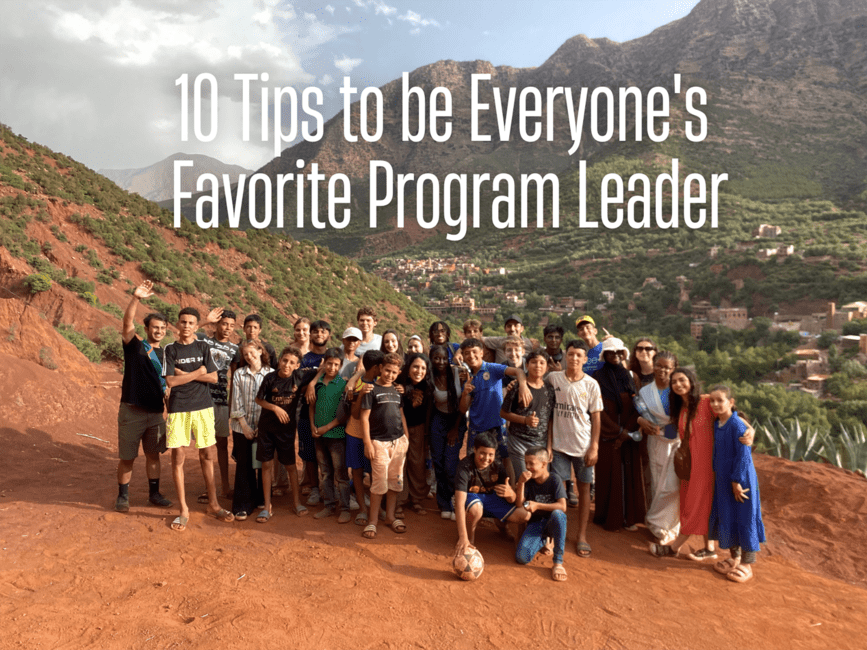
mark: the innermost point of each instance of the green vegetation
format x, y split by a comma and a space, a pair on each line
37, 282
87, 347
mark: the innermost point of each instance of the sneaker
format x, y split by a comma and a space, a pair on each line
122, 504
313, 499
325, 512
572, 499
353, 503
159, 500
452, 516
344, 517
445, 514
241, 516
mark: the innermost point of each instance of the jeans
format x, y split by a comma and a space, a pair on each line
331, 456
445, 456
533, 539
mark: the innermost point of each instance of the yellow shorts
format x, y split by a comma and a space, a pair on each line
198, 423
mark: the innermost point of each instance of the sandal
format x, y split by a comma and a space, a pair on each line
180, 523
398, 526
661, 550
344, 517
701, 555
369, 531
727, 566
263, 516
558, 573
361, 519
301, 510
224, 515
417, 508
203, 498
583, 549
741, 573
240, 516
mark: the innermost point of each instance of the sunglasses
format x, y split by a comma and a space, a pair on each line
644, 348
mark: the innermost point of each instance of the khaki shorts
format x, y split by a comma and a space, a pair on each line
181, 426
387, 465
136, 426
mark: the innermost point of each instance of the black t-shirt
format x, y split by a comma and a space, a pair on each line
195, 395
478, 481
384, 406
142, 384
542, 405
223, 353
550, 490
283, 392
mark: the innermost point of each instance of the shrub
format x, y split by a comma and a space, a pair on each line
37, 282
47, 358
110, 343
87, 347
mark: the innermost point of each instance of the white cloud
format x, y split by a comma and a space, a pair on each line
417, 21
95, 79
326, 80
347, 65
329, 9
379, 7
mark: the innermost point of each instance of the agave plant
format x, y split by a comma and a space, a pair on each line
849, 450
791, 441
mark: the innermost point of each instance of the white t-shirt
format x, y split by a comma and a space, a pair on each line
375, 344
572, 402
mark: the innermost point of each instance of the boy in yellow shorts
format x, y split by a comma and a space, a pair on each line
189, 369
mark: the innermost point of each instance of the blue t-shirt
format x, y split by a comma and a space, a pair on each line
312, 359
594, 359
487, 397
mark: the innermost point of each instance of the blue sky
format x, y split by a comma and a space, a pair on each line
95, 79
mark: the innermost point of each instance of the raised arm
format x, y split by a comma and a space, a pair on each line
142, 291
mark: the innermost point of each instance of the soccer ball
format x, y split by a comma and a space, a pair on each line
468, 565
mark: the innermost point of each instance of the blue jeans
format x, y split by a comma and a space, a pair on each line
331, 456
445, 456
533, 539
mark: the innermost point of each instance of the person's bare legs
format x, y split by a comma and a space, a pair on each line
296, 489
124, 471
178, 476
267, 470
583, 510
375, 502
206, 460
223, 463
474, 516
358, 484
152, 466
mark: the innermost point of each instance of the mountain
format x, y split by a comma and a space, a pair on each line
73, 245
785, 79
156, 183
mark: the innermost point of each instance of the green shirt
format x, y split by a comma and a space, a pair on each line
327, 400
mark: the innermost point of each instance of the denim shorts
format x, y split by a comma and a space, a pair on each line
562, 464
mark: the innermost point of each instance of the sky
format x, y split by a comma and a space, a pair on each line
97, 79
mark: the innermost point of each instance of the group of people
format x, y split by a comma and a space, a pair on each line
380, 429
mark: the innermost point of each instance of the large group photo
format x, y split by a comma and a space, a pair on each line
433, 325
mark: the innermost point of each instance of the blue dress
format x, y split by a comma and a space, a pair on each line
731, 522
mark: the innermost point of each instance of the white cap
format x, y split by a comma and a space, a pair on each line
351, 332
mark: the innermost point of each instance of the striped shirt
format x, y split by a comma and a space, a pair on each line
246, 385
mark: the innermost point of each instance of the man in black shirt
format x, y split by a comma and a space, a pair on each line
141, 416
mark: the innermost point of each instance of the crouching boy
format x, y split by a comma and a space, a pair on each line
544, 499
482, 490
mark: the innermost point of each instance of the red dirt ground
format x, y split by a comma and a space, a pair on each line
76, 574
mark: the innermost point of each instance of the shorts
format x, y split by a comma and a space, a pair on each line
355, 458
562, 464
182, 426
221, 421
134, 426
279, 439
499, 433
493, 505
386, 466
